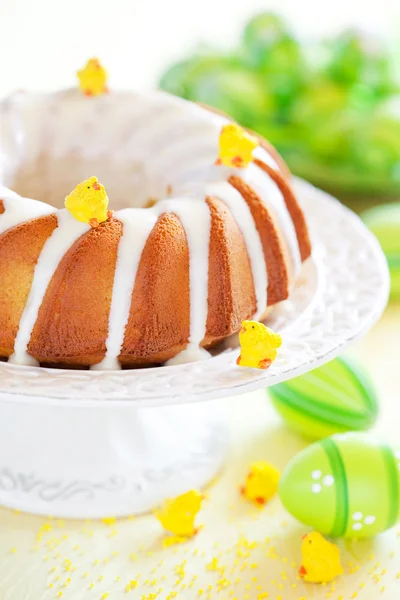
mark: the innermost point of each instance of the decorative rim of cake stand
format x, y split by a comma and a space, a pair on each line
342, 293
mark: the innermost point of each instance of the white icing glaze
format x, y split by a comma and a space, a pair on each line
192, 353
195, 218
271, 196
18, 210
137, 225
243, 217
140, 146
68, 231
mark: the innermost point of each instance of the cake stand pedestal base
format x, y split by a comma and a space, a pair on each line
106, 461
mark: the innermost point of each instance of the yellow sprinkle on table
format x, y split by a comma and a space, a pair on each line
383, 588
180, 570
59, 594
262, 596
91, 586
133, 556
213, 565
223, 583
398, 575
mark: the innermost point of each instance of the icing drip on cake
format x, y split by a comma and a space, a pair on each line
68, 231
137, 225
195, 218
243, 217
271, 196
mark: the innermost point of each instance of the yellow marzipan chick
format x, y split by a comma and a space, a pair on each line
93, 78
320, 559
261, 482
258, 345
235, 146
177, 515
88, 202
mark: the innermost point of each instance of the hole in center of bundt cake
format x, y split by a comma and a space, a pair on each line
50, 178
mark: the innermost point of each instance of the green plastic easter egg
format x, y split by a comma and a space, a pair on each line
334, 398
347, 485
384, 222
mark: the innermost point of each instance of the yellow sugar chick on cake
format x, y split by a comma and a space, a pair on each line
88, 202
236, 146
320, 559
93, 78
177, 515
261, 483
258, 345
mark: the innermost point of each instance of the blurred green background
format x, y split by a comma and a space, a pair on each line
331, 107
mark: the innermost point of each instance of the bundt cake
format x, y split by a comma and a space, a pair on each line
193, 248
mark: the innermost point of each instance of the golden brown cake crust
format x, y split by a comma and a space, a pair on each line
273, 245
293, 207
72, 324
20, 248
159, 319
231, 295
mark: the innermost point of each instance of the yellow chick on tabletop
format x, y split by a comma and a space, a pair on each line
320, 559
88, 202
261, 483
236, 146
93, 78
258, 345
177, 515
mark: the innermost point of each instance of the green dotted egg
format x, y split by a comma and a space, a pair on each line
347, 485
334, 398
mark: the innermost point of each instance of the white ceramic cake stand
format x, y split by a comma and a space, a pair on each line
90, 444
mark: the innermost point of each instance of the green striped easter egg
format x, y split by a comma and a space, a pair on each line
334, 398
384, 222
347, 485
